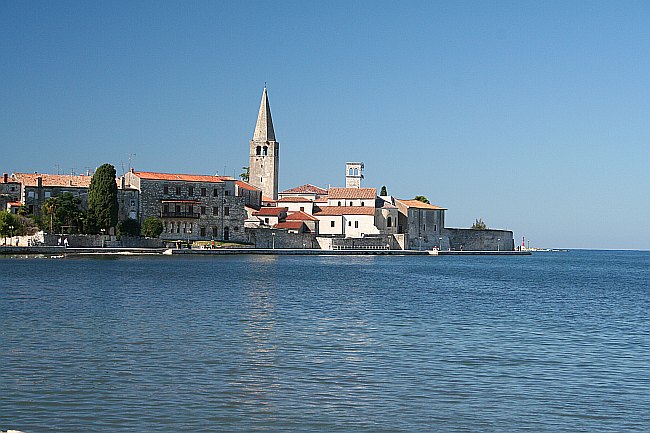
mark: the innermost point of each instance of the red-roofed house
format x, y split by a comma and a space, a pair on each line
270, 216
308, 191
309, 220
352, 197
35, 188
195, 207
292, 226
297, 203
351, 221
423, 224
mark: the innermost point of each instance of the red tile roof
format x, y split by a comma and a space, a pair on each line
293, 200
31, 179
270, 211
300, 216
305, 189
420, 205
291, 225
14, 204
352, 193
244, 185
345, 210
323, 199
150, 175
267, 199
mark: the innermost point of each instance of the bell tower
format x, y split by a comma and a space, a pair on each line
264, 152
353, 174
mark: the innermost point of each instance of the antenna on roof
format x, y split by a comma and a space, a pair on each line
58, 168
123, 170
72, 171
131, 155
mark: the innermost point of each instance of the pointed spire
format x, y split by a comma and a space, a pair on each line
264, 126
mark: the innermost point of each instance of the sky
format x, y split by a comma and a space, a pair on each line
533, 116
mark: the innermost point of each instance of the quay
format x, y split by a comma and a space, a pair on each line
62, 251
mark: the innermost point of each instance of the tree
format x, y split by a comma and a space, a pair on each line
152, 227
102, 199
8, 224
383, 192
246, 174
422, 198
60, 211
479, 225
128, 227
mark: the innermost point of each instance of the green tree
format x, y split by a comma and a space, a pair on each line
383, 190
128, 227
60, 211
246, 174
422, 198
102, 199
479, 225
8, 224
152, 227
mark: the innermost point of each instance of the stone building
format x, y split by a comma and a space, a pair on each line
264, 152
194, 207
9, 194
36, 188
423, 224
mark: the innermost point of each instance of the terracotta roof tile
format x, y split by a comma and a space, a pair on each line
345, 210
352, 193
300, 216
293, 200
270, 211
305, 189
31, 179
420, 205
244, 185
292, 225
182, 177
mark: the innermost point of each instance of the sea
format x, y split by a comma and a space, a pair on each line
552, 342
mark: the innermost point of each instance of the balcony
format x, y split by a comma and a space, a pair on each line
194, 215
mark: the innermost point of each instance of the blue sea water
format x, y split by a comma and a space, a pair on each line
553, 342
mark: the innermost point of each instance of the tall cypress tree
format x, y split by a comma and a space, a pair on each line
102, 198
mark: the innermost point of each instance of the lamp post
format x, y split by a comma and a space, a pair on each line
189, 233
440, 243
103, 239
272, 240
498, 244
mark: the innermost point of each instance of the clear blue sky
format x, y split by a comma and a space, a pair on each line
534, 116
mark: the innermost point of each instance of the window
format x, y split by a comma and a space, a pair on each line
339, 203
190, 209
132, 202
389, 222
178, 227
350, 203
178, 190
166, 208
258, 150
266, 221
302, 208
226, 192
356, 172
226, 211
165, 189
215, 232
215, 193
332, 223
204, 192
202, 212
190, 191
435, 227
202, 232
351, 171
265, 150
171, 227
226, 233
30, 194
178, 208
215, 210
48, 194
362, 204
349, 223
356, 224
236, 229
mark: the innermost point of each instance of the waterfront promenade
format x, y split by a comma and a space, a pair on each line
58, 251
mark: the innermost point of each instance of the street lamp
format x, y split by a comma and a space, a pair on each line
103, 239
440, 243
498, 244
273, 240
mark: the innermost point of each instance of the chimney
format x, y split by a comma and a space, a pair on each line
123, 182
132, 170
39, 182
5, 177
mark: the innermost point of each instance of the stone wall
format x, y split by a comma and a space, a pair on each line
480, 240
268, 238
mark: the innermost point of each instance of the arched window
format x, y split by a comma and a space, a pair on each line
356, 172
339, 203
389, 222
258, 150
351, 171
226, 233
265, 150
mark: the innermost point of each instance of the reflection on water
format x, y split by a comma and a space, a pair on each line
547, 343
